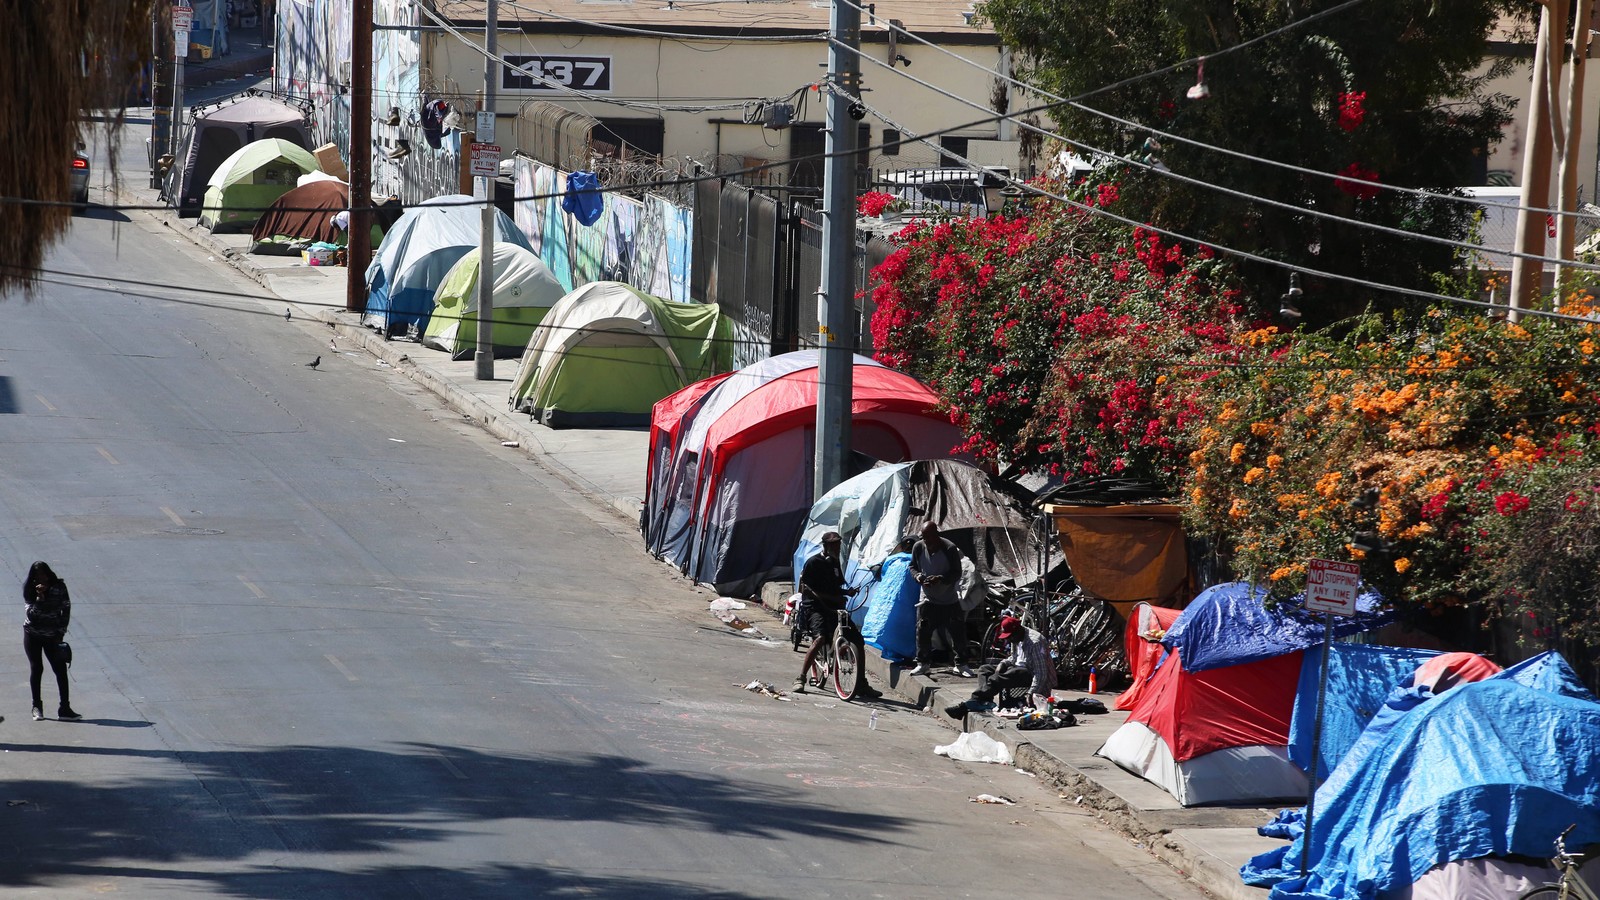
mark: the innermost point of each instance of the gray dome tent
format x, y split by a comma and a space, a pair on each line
218, 134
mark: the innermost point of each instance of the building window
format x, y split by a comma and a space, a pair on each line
630, 137
891, 142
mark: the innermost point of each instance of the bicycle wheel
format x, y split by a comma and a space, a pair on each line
1549, 892
821, 669
846, 668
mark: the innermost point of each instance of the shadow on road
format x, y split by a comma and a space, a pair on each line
228, 805
102, 213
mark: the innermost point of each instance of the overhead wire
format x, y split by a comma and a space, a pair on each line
1139, 126
1036, 190
1165, 172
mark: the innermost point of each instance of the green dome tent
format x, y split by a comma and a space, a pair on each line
247, 182
524, 290
607, 352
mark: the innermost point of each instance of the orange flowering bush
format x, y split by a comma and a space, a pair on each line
1439, 454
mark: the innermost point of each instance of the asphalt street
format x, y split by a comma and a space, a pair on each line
333, 641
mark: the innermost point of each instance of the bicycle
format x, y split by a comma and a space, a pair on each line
839, 662
1087, 633
1571, 885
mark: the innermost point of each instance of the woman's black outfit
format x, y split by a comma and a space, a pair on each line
49, 611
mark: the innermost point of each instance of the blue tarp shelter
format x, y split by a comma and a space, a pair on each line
1489, 768
417, 253
1228, 624
1360, 679
890, 624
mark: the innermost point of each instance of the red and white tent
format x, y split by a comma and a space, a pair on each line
732, 501
1218, 736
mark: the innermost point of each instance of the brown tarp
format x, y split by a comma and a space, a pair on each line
305, 212
1125, 554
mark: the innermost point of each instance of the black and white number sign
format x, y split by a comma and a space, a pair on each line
545, 73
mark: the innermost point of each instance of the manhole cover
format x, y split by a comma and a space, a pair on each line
196, 532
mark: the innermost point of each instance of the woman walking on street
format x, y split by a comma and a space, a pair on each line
44, 632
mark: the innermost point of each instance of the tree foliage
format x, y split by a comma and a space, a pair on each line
1383, 91
63, 58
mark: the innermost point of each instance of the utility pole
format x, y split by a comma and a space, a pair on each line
836, 337
358, 246
162, 53
1567, 226
484, 358
1527, 275
182, 17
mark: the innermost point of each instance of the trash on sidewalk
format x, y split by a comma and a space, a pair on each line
723, 608
991, 798
761, 687
975, 746
511, 443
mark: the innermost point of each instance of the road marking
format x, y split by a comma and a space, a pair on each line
260, 594
340, 666
174, 517
107, 454
450, 766
41, 399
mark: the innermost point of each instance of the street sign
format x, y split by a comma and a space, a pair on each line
182, 17
1331, 587
485, 160
485, 126
180, 44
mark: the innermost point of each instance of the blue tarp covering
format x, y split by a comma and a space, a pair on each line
1486, 769
1228, 624
1360, 678
891, 621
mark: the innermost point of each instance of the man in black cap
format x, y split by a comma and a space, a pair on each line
822, 584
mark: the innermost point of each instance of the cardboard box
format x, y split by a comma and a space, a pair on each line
328, 157
319, 256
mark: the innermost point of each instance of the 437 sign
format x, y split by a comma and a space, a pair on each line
551, 73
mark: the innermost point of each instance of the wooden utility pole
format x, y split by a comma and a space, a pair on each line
358, 249
1527, 275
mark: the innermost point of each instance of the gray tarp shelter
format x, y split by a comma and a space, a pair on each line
217, 134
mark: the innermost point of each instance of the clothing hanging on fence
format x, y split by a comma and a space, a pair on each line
583, 198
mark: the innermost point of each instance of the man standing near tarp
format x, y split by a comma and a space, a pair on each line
936, 564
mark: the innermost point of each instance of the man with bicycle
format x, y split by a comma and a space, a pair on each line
824, 588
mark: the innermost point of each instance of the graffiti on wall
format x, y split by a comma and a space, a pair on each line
642, 243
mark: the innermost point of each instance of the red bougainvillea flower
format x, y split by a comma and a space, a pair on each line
873, 203
1510, 503
1351, 111
1359, 181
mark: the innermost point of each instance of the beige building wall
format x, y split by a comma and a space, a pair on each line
646, 71
1505, 158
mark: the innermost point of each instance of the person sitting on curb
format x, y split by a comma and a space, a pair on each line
822, 584
936, 564
1028, 664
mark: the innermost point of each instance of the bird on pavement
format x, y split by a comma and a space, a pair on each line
332, 345
287, 314
314, 363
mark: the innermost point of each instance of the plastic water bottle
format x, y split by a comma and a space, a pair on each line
1094, 681
872, 721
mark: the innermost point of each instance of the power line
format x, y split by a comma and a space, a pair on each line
1230, 251
1139, 126
1242, 195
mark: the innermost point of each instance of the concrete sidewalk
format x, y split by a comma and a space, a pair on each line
607, 465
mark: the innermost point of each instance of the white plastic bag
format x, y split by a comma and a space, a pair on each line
975, 746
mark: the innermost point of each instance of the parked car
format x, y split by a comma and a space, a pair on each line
80, 178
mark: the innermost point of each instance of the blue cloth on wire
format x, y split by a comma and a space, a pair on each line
583, 198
